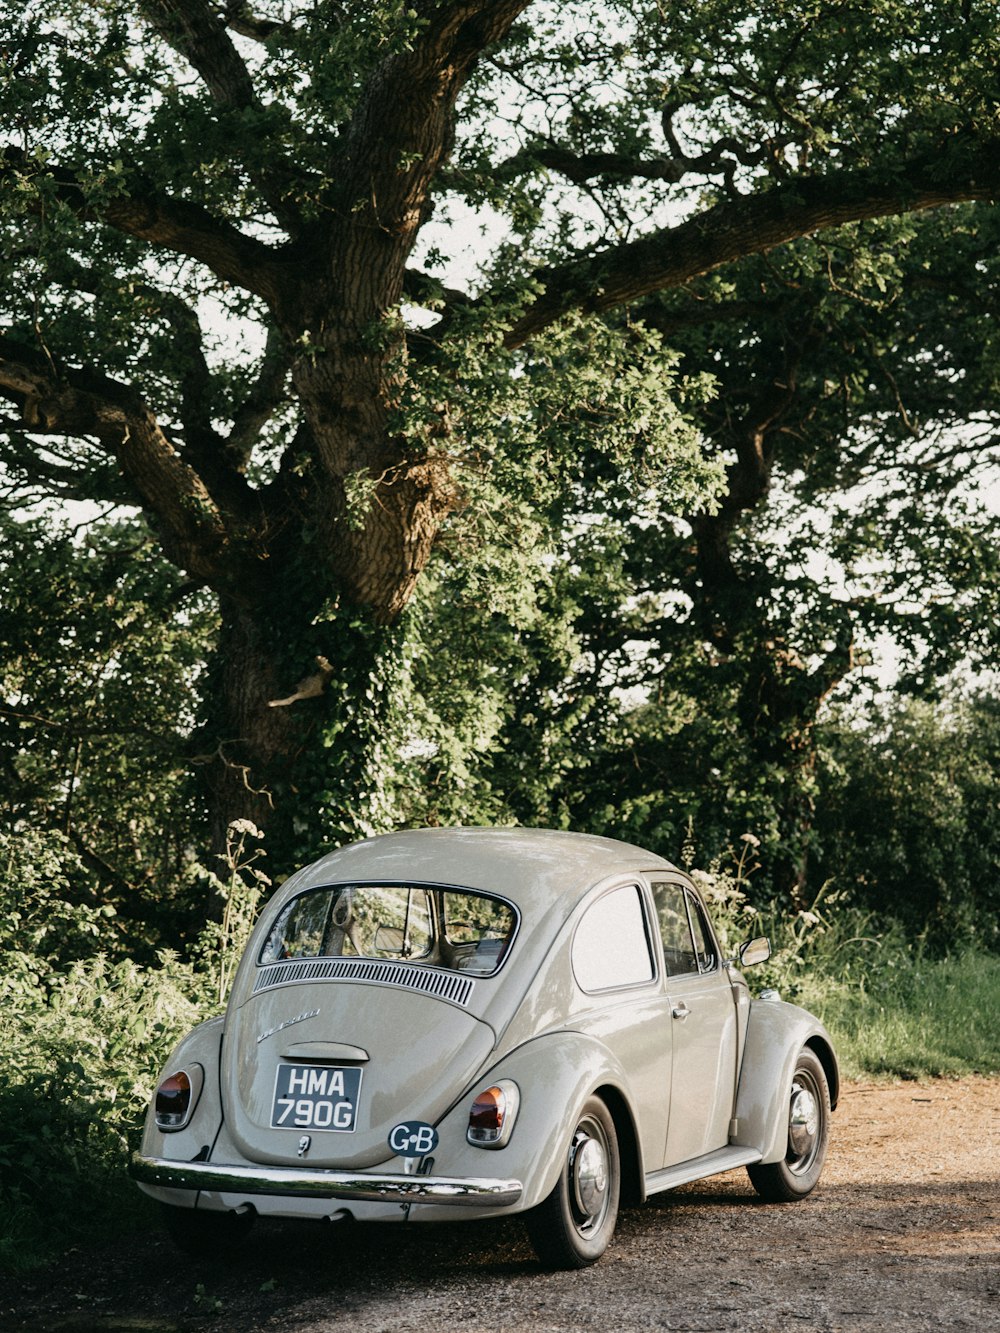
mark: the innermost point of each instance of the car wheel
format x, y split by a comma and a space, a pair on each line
203, 1235
574, 1225
808, 1121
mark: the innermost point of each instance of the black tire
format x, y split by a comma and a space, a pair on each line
574, 1225
214, 1237
808, 1130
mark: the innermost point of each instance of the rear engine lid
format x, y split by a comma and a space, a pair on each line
339, 1061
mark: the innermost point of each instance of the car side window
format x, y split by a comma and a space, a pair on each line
611, 946
688, 944
680, 957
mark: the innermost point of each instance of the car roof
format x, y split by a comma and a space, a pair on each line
533, 867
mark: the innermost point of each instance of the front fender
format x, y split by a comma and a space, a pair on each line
555, 1075
200, 1046
776, 1033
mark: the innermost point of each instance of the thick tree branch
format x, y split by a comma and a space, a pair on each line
733, 229
58, 400
211, 454
189, 230
197, 33
402, 129
194, 381
173, 224
219, 461
208, 452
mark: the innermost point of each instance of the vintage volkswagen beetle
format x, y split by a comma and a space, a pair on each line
476, 1022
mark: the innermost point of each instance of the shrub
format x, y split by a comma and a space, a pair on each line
83, 1035
81, 1051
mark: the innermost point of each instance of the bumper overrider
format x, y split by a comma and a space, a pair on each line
318, 1183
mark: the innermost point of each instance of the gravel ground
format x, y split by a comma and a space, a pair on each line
903, 1232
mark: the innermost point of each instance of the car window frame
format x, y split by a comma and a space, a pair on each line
693, 900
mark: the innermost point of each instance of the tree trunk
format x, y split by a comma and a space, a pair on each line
245, 742
298, 707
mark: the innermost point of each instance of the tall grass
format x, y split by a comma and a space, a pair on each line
911, 1016
892, 1008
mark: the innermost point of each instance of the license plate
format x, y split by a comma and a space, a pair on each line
315, 1097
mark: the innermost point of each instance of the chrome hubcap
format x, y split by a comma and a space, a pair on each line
805, 1123
590, 1176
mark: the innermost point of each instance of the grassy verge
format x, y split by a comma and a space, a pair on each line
893, 1010
912, 1017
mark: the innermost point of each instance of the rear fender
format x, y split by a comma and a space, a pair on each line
201, 1046
776, 1033
555, 1075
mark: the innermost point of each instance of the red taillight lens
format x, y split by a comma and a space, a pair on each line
486, 1116
491, 1117
175, 1098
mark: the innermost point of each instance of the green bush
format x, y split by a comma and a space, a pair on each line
80, 1056
83, 1035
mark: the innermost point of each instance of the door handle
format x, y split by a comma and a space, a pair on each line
680, 1010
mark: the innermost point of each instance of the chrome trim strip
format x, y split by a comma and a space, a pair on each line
317, 1183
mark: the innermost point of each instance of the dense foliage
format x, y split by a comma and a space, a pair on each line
101, 652
719, 247
84, 1032
910, 818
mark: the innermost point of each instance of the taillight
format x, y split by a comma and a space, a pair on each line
492, 1115
177, 1096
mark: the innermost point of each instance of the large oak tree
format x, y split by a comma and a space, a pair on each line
684, 666
222, 228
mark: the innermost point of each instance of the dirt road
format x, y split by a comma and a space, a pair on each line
902, 1233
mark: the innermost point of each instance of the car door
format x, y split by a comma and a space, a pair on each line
703, 1026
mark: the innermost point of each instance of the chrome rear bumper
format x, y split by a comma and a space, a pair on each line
470, 1191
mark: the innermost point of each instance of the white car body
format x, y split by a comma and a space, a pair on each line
626, 1065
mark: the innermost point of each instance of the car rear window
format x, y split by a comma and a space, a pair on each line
424, 924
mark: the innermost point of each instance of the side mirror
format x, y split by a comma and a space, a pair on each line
755, 951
